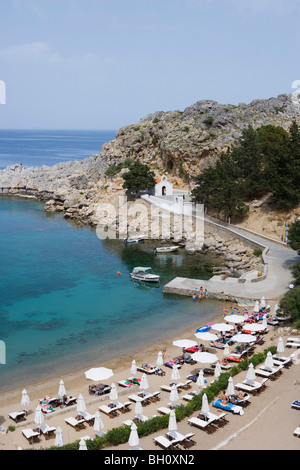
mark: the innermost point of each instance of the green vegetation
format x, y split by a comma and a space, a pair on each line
138, 178
265, 160
113, 170
290, 303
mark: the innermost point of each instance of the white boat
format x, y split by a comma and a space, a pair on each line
134, 239
165, 249
142, 274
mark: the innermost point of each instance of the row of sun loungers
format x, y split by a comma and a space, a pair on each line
293, 343
174, 440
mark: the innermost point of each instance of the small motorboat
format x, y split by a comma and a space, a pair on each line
134, 239
165, 249
144, 274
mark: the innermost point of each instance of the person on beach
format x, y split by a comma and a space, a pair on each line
206, 293
224, 398
201, 293
194, 296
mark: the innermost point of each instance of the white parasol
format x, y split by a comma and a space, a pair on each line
175, 372
263, 302
38, 416
269, 364
82, 444
99, 373
184, 343
113, 393
144, 382
204, 357
243, 338
133, 369
98, 424
280, 346
81, 404
218, 370
200, 380
138, 409
62, 389
230, 387
174, 395
256, 307
226, 350
172, 424
206, 336
250, 377
235, 318
222, 327
59, 440
160, 361
205, 407
25, 398
254, 327
133, 440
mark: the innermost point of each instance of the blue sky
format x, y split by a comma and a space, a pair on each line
103, 64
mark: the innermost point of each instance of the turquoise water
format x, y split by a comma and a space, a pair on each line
62, 304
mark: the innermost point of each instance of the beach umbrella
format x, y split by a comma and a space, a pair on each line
254, 327
144, 382
206, 336
133, 440
280, 346
226, 350
59, 440
269, 364
200, 380
243, 338
81, 404
61, 390
38, 416
82, 444
98, 424
175, 372
99, 373
205, 407
235, 318
113, 393
265, 321
256, 307
263, 302
250, 377
218, 370
275, 310
138, 410
133, 369
172, 426
160, 361
222, 327
174, 395
230, 387
25, 398
184, 343
204, 357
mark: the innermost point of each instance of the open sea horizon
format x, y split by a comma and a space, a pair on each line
62, 304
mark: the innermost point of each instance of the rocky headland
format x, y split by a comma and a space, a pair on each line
177, 143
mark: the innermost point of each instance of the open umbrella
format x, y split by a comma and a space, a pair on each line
25, 398
160, 361
61, 390
243, 338
38, 416
59, 440
82, 444
222, 327
280, 346
172, 424
235, 318
204, 357
254, 327
99, 373
184, 343
250, 377
144, 382
81, 404
175, 372
133, 440
206, 336
230, 387
98, 424
205, 407
133, 369
113, 393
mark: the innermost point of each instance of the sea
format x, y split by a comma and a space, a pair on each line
66, 297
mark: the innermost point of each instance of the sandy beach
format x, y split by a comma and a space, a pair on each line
268, 422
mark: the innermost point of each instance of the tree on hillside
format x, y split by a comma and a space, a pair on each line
138, 178
290, 306
294, 236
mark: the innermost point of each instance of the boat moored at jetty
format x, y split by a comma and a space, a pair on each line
144, 274
165, 249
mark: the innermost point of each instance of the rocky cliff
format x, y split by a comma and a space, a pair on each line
180, 143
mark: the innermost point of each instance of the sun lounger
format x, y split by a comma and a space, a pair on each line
179, 438
245, 401
185, 386
129, 382
88, 418
293, 344
173, 363
236, 409
47, 431
31, 435
77, 424
144, 400
163, 410
168, 388
271, 374
292, 338
18, 416
297, 432
256, 388
100, 389
140, 419
165, 443
287, 361
296, 404
212, 418
147, 368
202, 424
69, 401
